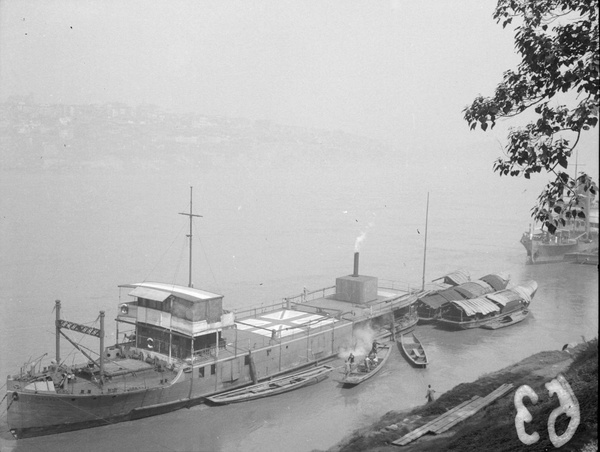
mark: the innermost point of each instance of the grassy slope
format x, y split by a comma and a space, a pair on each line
493, 428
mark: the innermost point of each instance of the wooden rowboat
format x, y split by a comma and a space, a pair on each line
507, 320
361, 373
272, 387
413, 350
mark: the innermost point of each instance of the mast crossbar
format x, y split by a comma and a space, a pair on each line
79, 328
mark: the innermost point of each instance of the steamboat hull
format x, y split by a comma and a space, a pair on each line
35, 413
32, 414
48, 409
540, 251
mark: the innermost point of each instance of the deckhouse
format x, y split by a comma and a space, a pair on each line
174, 322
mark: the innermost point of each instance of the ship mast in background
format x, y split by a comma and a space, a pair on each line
191, 215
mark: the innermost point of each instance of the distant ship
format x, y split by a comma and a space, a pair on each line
578, 236
180, 346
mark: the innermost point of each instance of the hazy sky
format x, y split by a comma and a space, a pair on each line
396, 70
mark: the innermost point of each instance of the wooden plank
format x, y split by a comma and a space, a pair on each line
474, 408
459, 416
422, 430
455, 415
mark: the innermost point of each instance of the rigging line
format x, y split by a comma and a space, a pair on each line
5, 411
89, 349
208, 264
163, 255
75, 349
81, 336
65, 313
72, 352
179, 260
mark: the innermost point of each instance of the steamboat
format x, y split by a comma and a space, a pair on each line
577, 236
181, 346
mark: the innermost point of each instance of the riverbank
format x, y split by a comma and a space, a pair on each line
494, 426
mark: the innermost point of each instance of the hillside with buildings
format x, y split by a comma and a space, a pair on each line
117, 136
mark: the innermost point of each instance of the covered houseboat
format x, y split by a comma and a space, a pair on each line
490, 308
429, 304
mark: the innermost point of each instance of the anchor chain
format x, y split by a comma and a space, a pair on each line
8, 403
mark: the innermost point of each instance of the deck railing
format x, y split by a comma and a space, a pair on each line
398, 285
406, 289
209, 352
285, 303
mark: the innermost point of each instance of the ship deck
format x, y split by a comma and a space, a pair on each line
267, 326
120, 375
296, 318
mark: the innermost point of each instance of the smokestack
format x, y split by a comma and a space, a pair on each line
355, 265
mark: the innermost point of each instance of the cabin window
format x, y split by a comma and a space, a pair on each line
247, 360
213, 369
201, 372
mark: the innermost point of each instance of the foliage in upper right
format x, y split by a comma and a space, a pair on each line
558, 44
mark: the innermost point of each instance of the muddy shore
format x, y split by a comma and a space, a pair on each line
493, 428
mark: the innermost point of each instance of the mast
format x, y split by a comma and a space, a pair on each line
101, 347
425, 248
190, 215
57, 307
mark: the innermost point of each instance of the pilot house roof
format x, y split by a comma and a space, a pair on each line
161, 291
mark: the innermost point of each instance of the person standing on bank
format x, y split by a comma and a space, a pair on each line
430, 394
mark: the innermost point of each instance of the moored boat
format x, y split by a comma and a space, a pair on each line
430, 302
273, 386
404, 322
508, 320
176, 345
365, 369
413, 350
576, 237
426, 301
489, 309
589, 257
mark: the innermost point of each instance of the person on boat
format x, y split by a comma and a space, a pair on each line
349, 363
374, 348
430, 394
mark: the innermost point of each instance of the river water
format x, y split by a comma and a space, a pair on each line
270, 228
